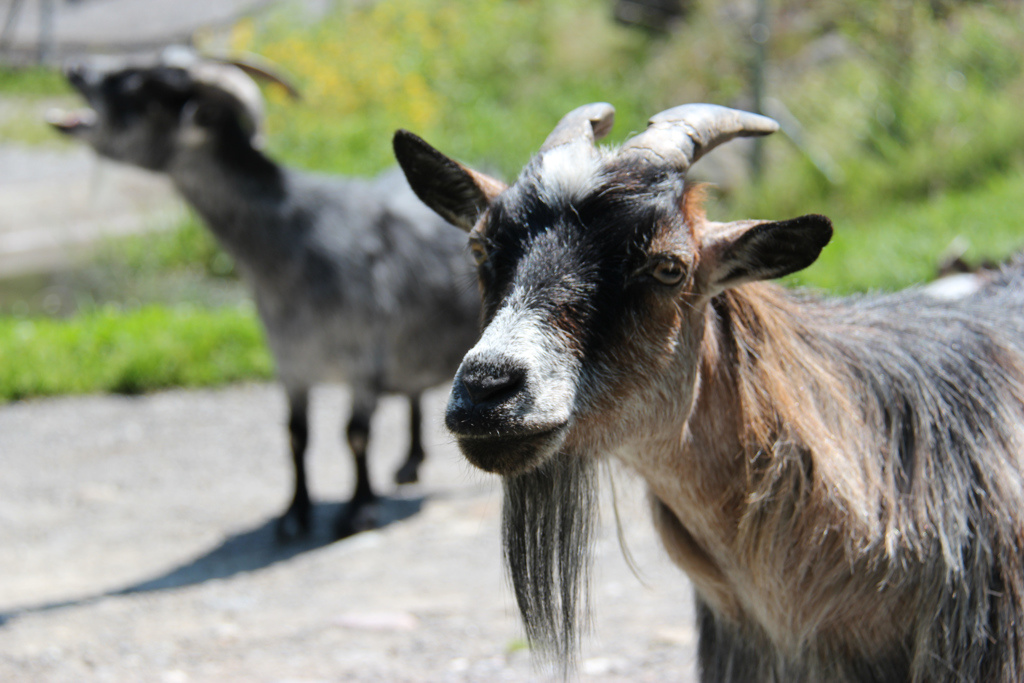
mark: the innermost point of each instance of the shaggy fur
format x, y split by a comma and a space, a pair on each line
841, 479
880, 488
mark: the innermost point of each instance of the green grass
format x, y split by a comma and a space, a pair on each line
188, 246
26, 93
35, 81
110, 350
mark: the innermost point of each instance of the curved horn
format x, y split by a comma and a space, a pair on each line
253, 65
259, 68
222, 76
678, 137
589, 122
234, 82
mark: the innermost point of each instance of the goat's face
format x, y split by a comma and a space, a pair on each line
133, 113
596, 268
145, 114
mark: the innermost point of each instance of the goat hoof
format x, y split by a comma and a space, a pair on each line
356, 519
409, 473
292, 525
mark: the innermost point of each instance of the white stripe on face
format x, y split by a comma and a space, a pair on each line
519, 333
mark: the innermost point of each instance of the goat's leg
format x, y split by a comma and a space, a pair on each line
296, 521
409, 472
363, 510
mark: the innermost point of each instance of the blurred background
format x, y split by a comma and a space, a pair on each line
901, 121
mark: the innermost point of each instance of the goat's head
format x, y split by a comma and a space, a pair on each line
595, 267
142, 111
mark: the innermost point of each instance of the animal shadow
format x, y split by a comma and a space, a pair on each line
243, 552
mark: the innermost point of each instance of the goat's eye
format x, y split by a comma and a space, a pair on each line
478, 251
668, 271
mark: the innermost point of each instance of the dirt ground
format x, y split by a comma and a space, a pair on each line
136, 544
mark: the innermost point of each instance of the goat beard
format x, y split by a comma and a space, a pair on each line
547, 520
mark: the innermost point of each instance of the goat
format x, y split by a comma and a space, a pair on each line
355, 280
839, 477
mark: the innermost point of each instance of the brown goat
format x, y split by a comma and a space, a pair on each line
840, 478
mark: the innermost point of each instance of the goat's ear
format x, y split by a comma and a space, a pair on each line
746, 251
457, 193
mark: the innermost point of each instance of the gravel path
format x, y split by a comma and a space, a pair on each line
136, 545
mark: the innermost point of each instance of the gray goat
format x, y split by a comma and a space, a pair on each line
841, 479
355, 280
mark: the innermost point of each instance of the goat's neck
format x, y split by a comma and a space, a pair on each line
240, 195
760, 382
697, 467
759, 494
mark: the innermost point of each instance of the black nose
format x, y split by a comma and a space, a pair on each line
493, 382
